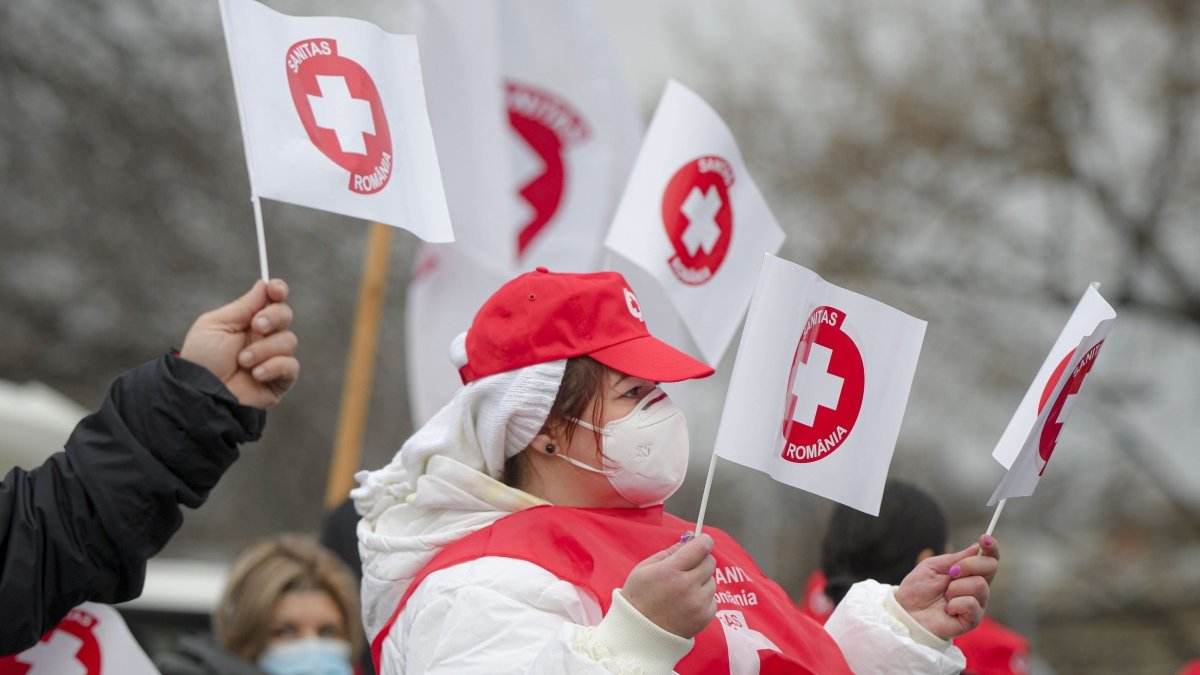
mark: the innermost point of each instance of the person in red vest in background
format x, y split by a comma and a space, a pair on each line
910, 528
521, 530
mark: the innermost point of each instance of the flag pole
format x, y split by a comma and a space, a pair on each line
712, 468
356, 388
262, 239
996, 517
237, 97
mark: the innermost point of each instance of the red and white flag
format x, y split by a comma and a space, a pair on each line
92, 640
535, 126
536, 130
333, 117
1032, 434
819, 387
692, 216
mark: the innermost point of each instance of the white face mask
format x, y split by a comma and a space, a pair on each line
647, 450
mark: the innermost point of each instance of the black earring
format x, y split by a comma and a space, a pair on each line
550, 448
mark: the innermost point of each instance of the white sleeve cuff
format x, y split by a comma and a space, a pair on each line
916, 631
626, 642
877, 636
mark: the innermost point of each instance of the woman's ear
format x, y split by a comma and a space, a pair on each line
544, 444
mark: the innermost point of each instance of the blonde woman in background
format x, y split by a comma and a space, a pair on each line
290, 608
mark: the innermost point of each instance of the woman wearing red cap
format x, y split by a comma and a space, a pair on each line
521, 530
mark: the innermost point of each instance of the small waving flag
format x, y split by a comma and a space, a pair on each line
819, 387
333, 117
694, 219
1040, 417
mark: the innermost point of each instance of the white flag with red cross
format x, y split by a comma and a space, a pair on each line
819, 387
692, 216
1040, 418
536, 130
535, 126
333, 117
1089, 312
92, 640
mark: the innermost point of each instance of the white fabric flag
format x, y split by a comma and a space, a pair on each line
1089, 312
694, 219
447, 287
536, 131
819, 387
333, 117
535, 126
1030, 463
91, 639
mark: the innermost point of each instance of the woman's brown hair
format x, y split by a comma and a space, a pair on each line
584, 380
267, 571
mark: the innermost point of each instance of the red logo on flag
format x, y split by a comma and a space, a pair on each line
547, 125
1064, 403
70, 648
698, 217
825, 389
341, 111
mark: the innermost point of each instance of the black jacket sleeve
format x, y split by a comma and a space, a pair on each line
81, 526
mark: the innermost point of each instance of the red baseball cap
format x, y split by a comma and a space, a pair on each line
545, 316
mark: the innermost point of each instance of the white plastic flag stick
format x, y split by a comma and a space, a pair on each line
712, 468
237, 88
996, 517
262, 239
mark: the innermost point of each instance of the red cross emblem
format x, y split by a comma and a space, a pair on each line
825, 388
340, 109
70, 648
698, 218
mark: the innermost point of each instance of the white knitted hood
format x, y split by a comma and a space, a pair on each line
442, 484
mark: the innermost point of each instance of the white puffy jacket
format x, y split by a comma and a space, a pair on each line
496, 615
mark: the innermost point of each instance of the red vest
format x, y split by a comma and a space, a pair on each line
595, 549
992, 649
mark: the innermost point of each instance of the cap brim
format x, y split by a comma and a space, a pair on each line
652, 359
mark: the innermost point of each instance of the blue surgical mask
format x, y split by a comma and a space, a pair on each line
310, 656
